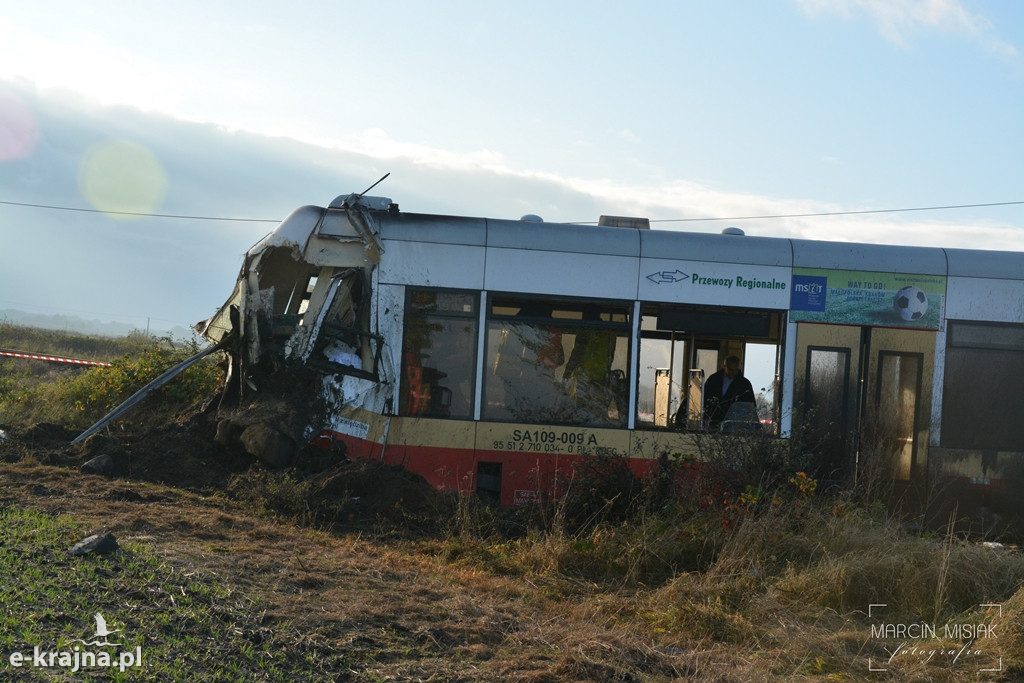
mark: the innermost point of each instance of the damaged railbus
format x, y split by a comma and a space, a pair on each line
489, 356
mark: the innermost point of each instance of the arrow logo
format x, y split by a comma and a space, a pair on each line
667, 276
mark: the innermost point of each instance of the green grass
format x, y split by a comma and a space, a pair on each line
189, 626
34, 391
877, 310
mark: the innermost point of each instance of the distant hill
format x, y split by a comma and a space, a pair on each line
101, 328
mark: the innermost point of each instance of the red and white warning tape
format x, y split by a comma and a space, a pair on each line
52, 359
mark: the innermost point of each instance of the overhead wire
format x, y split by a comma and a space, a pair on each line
818, 214
836, 213
141, 214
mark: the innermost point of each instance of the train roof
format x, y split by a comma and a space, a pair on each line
530, 233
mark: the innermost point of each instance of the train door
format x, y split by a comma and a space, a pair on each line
894, 430
827, 387
864, 399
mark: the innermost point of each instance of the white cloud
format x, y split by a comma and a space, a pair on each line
85, 63
377, 143
896, 19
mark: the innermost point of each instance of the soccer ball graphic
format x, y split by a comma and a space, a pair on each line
910, 303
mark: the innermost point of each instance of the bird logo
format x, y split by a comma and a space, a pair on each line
101, 627
101, 633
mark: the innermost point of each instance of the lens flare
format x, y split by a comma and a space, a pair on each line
18, 129
122, 176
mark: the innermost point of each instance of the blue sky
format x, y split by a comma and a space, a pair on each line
670, 110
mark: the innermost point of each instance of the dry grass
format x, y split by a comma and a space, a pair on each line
782, 594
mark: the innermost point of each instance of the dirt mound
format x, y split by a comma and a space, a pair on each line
45, 443
371, 490
187, 454
179, 454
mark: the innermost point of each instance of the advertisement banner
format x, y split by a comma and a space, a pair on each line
854, 297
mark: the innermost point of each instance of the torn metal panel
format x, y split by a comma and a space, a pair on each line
356, 394
220, 325
343, 282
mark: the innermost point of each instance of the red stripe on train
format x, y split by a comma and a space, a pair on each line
523, 475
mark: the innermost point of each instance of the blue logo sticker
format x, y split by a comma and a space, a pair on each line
808, 293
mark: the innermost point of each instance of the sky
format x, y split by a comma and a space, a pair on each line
677, 111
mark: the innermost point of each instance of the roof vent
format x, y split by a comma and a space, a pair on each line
531, 218
732, 231
624, 222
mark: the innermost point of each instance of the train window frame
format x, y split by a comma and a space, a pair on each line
688, 330
452, 382
545, 362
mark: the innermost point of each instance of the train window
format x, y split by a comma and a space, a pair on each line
557, 362
439, 354
983, 364
681, 346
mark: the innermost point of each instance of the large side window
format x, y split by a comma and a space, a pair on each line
557, 362
984, 366
439, 353
681, 346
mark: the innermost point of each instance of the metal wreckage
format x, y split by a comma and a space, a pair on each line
296, 334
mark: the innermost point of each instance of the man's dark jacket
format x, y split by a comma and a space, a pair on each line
715, 404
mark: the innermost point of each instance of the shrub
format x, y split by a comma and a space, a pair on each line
602, 490
80, 398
